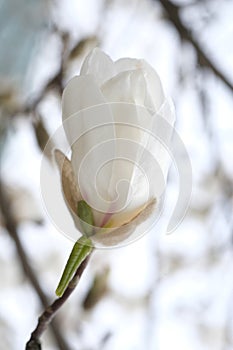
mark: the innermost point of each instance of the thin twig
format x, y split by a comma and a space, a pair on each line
11, 227
50, 311
172, 11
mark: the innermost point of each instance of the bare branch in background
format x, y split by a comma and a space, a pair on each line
98, 289
42, 136
50, 311
173, 12
11, 225
56, 82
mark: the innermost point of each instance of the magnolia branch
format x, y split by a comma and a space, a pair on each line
50, 311
172, 11
11, 227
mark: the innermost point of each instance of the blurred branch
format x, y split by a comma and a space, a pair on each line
55, 83
42, 136
82, 45
50, 311
67, 55
11, 227
98, 289
173, 12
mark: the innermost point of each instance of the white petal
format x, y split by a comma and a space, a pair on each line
167, 111
80, 93
153, 83
128, 86
153, 159
124, 64
98, 64
156, 158
89, 126
131, 122
162, 130
92, 155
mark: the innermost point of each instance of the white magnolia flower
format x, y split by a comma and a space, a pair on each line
118, 124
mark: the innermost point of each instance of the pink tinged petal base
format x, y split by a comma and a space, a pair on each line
113, 237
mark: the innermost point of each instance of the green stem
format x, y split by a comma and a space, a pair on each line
82, 248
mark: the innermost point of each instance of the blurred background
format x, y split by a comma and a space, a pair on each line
163, 291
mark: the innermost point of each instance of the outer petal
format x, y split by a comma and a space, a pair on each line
89, 126
162, 130
80, 93
153, 83
156, 158
99, 65
93, 153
